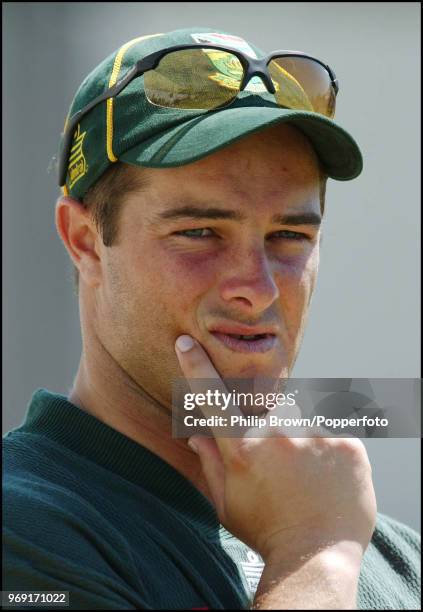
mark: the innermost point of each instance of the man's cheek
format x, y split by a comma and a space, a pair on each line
190, 271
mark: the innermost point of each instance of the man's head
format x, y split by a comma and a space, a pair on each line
209, 222
232, 239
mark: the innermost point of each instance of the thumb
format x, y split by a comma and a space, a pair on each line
213, 468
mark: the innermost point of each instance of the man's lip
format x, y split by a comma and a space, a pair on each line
244, 330
263, 344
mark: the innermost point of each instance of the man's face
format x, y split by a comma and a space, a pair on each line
230, 240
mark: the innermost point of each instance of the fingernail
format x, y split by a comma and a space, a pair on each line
192, 445
184, 343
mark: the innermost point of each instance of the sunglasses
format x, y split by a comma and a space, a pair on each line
208, 77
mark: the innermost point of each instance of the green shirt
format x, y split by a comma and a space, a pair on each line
89, 511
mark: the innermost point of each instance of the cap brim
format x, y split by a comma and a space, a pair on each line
198, 137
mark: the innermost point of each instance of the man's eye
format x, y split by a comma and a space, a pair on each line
205, 232
196, 233
290, 235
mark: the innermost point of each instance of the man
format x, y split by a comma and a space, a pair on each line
193, 197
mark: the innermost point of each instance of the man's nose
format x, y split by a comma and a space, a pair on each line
249, 282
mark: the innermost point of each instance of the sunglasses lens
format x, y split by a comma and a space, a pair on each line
302, 84
194, 79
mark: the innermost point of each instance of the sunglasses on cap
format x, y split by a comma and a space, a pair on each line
209, 77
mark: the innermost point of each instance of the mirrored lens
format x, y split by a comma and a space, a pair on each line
302, 84
194, 79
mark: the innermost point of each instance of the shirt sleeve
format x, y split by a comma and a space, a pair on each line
391, 574
49, 544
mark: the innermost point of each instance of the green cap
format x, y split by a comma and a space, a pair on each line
130, 129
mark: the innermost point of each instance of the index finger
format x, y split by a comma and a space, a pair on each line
202, 376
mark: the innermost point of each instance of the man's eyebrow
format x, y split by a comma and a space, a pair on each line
195, 212
304, 218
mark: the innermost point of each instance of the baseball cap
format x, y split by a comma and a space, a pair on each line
128, 128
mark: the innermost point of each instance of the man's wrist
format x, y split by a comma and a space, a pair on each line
327, 580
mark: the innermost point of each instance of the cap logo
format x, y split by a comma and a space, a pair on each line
228, 70
77, 162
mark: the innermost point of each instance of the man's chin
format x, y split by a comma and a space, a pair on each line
254, 372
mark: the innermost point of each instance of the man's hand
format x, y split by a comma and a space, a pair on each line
306, 505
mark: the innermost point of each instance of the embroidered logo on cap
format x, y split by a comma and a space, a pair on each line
229, 68
77, 163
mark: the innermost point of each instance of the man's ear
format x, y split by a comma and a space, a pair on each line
80, 237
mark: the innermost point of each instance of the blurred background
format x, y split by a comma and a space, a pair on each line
365, 315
